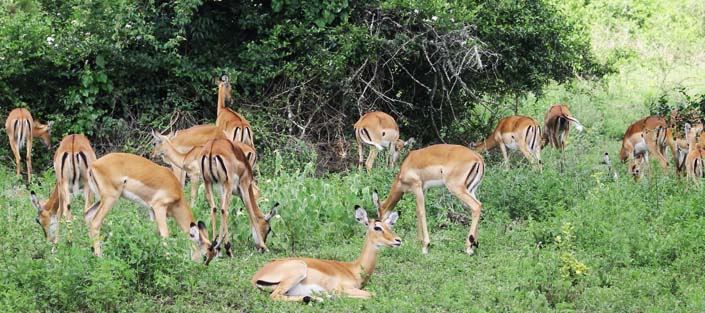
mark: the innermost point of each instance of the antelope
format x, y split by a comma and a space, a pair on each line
679, 147
515, 132
225, 165
379, 130
235, 127
124, 175
557, 126
636, 166
647, 135
21, 128
458, 168
71, 161
696, 153
188, 162
301, 279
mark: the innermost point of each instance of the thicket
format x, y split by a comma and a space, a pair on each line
302, 72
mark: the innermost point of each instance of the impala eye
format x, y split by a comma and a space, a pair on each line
377, 228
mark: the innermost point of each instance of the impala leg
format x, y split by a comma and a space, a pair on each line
390, 154
359, 153
94, 224
357, 293
371, 158
475, 208
16, 153
504, 153
295, 273
195, 181
29, 157
160, 219
211, 204
421, 215
224, 212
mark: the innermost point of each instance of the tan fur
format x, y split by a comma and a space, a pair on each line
458, 168
235, 127
696, 154
649, 132
286, 276
19, 126
679, 149
515, 132
379, 131
71, 161
557, 126
130, 176
224, 164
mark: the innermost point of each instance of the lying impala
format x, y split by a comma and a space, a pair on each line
235, 127
378, 130
301, 279
557, 126
225, 165
135, 178
515, 132
458, 168
188, 162
71, 162
696, 153
646, 136
21, 128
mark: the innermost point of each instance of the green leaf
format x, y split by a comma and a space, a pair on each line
100, 61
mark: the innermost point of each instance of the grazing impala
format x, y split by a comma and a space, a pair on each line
235, 127
225, 165
556, 126
21, 128
189, 162
301, 279
378, 130
185, 140
71, 162
646, 136
458, 168
515, 132
135, 178
696, 153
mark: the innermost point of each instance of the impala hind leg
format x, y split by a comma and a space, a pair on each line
284, 276
475, 208
211, 205
224, 212
94, 219
371, 158
357, 293
16, 153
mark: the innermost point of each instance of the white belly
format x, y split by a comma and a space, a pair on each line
512, 145
432, 183
305, 290
133, 197
640, 147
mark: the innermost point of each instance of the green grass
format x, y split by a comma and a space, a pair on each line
641, 243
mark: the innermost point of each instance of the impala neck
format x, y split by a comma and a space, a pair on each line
173, 155
221, 100
393, 198
52, 204
486, 144
365, 264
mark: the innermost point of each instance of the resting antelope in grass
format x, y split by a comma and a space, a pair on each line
135, 178
21, 128
71, 162
235, 127
458, 168
302, 279
696, 153
224, 164
646, 136
516, 133
188, 162
378, 130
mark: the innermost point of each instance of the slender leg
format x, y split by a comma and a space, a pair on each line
29, 157
16, 152
211, 204
504, 153
421, 215
94, 225
371, 158
224, 211
160, 218
357, 293
195, 181
475, 209
359, 152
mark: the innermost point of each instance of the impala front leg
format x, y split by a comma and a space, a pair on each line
421, 214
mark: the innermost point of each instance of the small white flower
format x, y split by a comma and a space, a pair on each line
87, 33
19, 52
128, 25
416, 11
434, 18
50, 40
2, 58
74, 22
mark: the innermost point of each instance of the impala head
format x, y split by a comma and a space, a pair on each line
199, 235
399, 145
159, 142
43, 132
379, 232
635, 167
263, 229
224, 88
46, 218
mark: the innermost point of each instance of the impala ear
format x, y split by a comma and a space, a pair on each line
216, 80
155, 135
409, 141
272, 212
392, 218
35, 202
361, 215
194, 233
49, 124
224, 78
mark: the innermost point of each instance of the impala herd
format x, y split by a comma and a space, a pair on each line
223, 156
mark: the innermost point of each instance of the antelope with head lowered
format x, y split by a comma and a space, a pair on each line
21, 128
71, 162
696, 153
302, 279
458, 168
225, 165
556, 126
521, 133
235, 127
124, 175
646, 136
188, 162
378, 130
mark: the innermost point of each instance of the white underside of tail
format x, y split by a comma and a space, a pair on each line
576, 123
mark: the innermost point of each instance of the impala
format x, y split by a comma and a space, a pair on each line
646, 136
696, 153
71, 162
557, 126
458, 168
225, 165
636, 166
235, 127
301, 279
515, 132
378, 130
679, 147
21, 128
188, 162
135, 178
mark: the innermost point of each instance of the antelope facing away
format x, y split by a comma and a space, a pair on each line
235, 127
521, 133
378, 130
71, 162
124, 175
458, 168
21, 128
302, 279
556, 126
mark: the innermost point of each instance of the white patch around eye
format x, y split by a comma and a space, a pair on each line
255, 237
